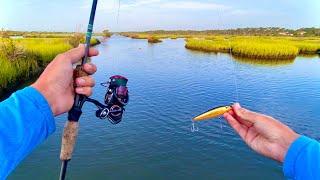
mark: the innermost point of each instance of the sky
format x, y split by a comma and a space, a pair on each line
140, 15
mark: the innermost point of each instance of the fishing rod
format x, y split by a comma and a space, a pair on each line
71, 128
116, 97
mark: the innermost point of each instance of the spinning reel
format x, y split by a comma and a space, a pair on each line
116, 98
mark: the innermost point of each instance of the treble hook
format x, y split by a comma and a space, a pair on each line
194, 128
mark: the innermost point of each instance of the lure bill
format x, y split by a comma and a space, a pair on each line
212, 113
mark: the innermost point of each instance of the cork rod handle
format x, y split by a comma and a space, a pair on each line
69, 138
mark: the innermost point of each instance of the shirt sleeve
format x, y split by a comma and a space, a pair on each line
26, 120
302, 160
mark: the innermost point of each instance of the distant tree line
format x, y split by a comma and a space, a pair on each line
262, 31
39, 34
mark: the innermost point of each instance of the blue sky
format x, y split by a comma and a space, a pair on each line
136, 15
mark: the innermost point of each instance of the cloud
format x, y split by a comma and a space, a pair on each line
111, 5
140, 3
190, 5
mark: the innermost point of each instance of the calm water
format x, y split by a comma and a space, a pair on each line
169, 85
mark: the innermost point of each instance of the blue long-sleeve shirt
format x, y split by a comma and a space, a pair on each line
302, 160
26, 120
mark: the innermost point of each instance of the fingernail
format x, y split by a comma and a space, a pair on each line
79, 90
88, 65
237, 106
81, 80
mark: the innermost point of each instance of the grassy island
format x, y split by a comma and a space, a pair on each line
256, 47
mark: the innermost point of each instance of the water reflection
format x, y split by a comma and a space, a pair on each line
264, 62
256, 62
310, 55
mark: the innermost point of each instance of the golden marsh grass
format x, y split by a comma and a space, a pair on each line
33, 55
256, 47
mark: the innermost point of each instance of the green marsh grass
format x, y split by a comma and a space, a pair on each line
45, 49
153, 39
260, 50
37, 53
256, 47
208, 45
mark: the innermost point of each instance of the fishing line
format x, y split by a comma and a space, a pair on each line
119, 5
219, 111
235, 75
228, 38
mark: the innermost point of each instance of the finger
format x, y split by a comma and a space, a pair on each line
85, 81
245, 114
93, 52
90, 68
87, 91
74, 55
231, 112
240, 129
246, 123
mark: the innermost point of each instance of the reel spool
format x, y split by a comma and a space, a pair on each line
117, 97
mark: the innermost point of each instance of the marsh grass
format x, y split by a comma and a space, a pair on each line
260, 50
33, 55
10, 50
78, 38
256, 47
153, 39
21, 59
207, 45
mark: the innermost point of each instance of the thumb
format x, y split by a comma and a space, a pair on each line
74, 55
245, 114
